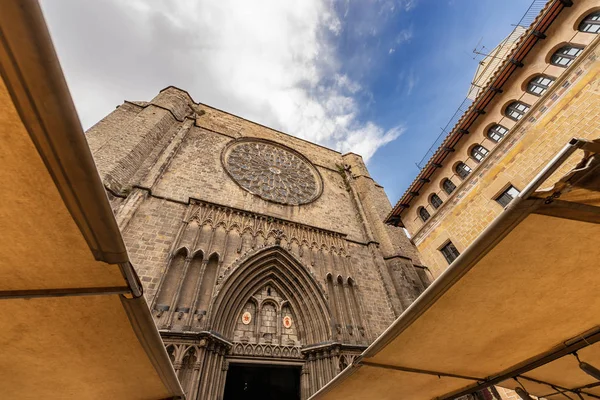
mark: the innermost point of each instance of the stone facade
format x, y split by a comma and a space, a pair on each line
252, 245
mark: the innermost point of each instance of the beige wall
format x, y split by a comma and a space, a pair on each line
527, 147
555, 117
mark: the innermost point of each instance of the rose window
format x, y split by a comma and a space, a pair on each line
271, 171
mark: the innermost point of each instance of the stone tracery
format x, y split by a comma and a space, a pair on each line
272, 172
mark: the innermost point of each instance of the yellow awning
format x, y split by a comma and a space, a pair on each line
73, 319
522, 301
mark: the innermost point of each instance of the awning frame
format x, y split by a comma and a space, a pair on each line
33, 77
30, 67
514, 213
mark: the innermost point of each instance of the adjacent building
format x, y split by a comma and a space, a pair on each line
544, 92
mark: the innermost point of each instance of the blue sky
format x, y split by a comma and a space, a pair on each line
424, 79
376, 77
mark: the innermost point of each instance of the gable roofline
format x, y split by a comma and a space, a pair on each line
246, 119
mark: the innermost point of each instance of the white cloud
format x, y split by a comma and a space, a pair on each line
369, 138
410, 4
404, 36
411, 82
268, 61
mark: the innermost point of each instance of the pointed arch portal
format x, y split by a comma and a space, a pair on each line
276, 267
268, 330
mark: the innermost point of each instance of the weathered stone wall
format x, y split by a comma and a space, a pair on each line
190, 227
177, 161
196, 172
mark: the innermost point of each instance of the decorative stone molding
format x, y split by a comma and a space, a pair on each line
267, 227
266, 350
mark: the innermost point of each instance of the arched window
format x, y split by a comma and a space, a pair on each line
463, 170
497, 132
479, 152
591, 23
424, 214
539, 85
448, 186
564, 56
516, 110
435, 201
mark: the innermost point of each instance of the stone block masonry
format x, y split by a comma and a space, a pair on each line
311, 277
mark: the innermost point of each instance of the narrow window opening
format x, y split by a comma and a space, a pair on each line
448, 186
497, 132
591, 23
538, 85
564, 56
424, 214
516, 110
479, 153
507, 196
463, 170
435, 201
450, 252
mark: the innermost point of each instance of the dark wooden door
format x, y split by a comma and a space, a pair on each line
262, 382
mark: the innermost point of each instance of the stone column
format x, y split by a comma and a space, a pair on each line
304, 382
351, 313
194, 307
177, 367
214, 373
175, 299
341, 314
314, 383
223, 379
321, 378
328, 367
206, 381
335, 367
193, 393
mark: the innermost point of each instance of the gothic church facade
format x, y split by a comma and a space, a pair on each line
263, 256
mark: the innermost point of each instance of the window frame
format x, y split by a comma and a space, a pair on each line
449, 251
479, 153
513, 107
463, 167
532, 85
445, 189
494, 128
589, 20
505, 197
563, 54
423, 214
437, 203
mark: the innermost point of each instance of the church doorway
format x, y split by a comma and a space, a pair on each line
262, 382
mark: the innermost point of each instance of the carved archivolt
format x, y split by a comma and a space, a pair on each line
272, 171
276, 268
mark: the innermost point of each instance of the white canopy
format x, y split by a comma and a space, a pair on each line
73, 319
520, 303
